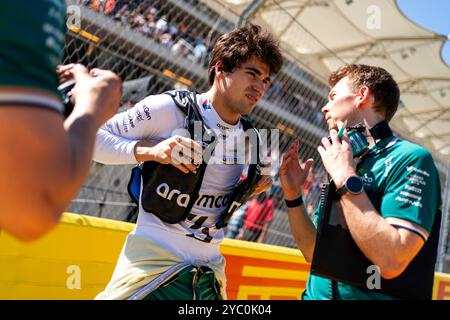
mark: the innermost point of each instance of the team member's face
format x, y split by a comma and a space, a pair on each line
245, 85
342, 105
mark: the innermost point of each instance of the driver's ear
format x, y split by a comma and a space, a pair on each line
218, 68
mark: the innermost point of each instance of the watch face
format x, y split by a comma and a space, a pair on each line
354, 185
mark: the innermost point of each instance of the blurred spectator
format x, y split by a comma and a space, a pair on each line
95, 4
125, 17
137, 21
149, 28
173, 30
145, 6
199, 49
110, 6
183, 30
132, 4
259, 215
182, 48
161, 26
236, 221
121, 12
166, 40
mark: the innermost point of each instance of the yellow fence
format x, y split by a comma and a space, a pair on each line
76, 260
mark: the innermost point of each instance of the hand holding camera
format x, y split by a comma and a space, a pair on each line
96, 92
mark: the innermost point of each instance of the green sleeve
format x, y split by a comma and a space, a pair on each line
31, 43
413, 191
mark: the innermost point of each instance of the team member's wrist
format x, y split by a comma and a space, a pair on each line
340, 180
294, 203
292, 196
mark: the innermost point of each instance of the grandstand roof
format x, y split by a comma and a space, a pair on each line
324, 34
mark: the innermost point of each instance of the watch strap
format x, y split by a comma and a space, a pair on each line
294, 203
345, 189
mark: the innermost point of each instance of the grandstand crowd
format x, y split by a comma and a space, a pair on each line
171, 32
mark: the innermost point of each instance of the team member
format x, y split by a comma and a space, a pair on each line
168, 257
44, 158
389, 196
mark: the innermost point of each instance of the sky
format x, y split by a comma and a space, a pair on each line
431, 14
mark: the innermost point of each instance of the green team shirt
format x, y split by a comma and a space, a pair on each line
406, 176
31, 46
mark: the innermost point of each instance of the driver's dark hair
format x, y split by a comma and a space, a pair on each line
238, 46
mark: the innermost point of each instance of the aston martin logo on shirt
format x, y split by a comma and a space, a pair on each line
206, 105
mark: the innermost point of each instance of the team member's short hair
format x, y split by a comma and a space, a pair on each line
380, 82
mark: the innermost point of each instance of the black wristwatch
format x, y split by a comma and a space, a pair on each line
353, 185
